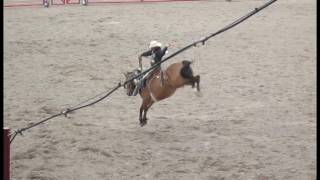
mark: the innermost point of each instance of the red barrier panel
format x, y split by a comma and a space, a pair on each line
6, 153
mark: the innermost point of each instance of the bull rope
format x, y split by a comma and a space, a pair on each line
202, 41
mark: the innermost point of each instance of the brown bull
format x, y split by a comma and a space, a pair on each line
155, 89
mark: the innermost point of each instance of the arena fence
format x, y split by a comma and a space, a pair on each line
47, 3
41, 3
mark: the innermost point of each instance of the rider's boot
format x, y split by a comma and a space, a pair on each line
136, 89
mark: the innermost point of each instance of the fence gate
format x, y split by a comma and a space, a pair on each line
64, 2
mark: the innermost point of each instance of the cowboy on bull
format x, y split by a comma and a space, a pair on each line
156, 53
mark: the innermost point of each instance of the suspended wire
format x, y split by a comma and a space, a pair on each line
89, 99
65, 112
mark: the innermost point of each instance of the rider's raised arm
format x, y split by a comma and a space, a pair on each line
145, 54
164, 50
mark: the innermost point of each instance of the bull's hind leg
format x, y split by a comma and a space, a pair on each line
187, 73
196, 79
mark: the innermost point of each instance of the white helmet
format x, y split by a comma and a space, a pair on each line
154, 44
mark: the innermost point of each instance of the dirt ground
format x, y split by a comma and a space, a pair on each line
256, 118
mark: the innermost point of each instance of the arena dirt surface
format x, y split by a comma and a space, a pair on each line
256, 118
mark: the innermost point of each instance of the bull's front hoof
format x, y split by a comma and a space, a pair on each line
199, 94
143, 123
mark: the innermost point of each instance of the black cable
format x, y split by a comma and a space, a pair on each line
19, 131
108, 94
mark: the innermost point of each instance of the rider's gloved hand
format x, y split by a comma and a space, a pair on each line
167, 45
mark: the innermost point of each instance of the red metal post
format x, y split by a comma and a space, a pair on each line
6, 153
